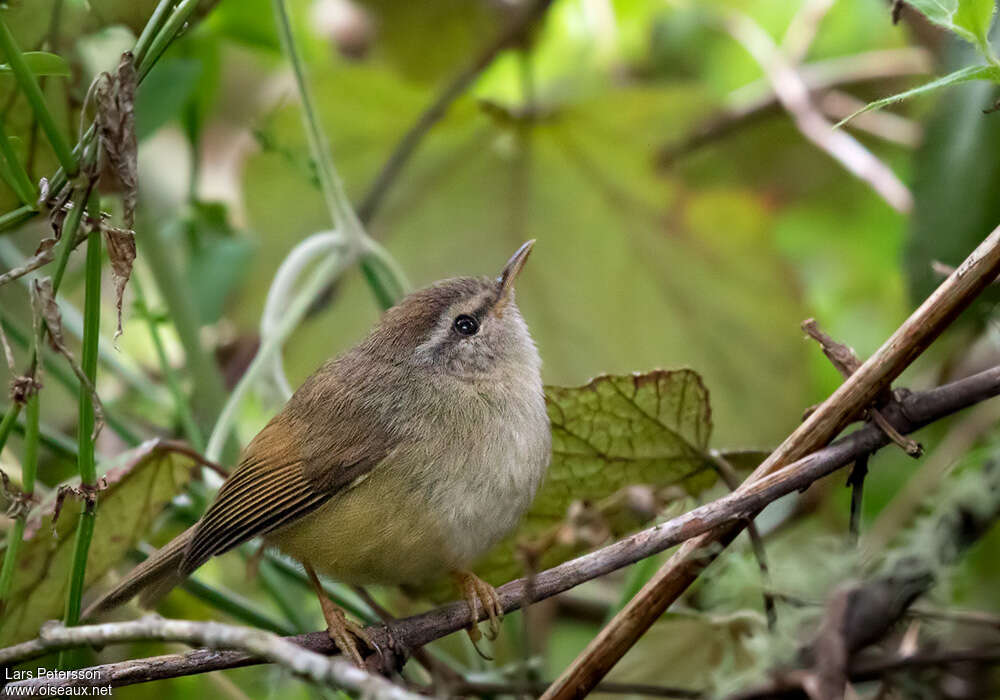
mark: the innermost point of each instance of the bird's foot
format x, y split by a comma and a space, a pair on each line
345, 633
342, 630
479, 593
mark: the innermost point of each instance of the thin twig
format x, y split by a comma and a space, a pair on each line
914, 411
306, 664
844, 359
858, 391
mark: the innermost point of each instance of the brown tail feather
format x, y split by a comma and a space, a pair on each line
153, 578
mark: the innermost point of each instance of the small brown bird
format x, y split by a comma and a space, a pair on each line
408, 456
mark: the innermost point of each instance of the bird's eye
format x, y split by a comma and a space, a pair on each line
466, 325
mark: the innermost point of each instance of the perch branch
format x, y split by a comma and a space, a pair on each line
300, 661
912, 412
923, 326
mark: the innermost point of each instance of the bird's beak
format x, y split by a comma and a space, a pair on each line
510, 272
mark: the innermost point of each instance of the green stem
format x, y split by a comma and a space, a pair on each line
15, 217
171, 28
29, 85
85, 428
29, 467
386, 282
181, 406
151, 30
7, 424
20, 181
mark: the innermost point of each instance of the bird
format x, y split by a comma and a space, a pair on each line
402, 459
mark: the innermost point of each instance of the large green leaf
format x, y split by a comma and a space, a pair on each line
616, 431
633, 268
136, 492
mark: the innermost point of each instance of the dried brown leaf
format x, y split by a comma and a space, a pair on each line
121, 251
115, 100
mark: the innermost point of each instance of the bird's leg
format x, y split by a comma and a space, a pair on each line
342, 630
477, 592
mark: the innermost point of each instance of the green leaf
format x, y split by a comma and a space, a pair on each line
617, 431
975, 17
41, 63
969, 19
937, 11
136, 492
963, 75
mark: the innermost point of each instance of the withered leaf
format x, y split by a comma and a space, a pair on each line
138, 487
121, 251
115, 98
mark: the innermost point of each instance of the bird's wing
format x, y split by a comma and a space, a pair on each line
291, 468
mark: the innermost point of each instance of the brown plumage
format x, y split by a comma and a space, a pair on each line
405, 457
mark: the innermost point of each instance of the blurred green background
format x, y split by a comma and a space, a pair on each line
648, 255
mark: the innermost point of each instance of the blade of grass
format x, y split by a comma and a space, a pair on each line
33, 93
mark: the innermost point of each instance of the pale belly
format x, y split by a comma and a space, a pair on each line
406, 525
369, 535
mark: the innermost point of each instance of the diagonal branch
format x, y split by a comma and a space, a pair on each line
913, 411
858, 391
